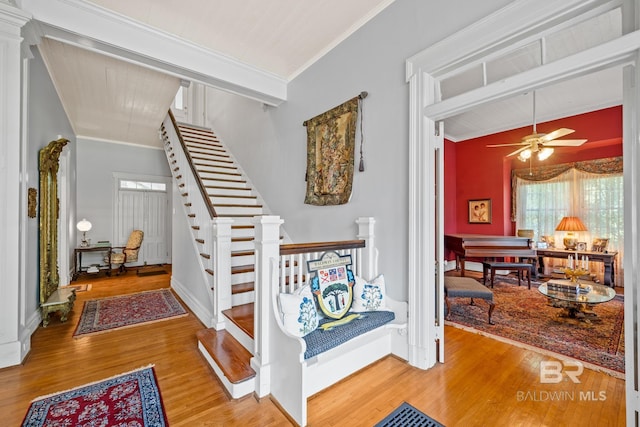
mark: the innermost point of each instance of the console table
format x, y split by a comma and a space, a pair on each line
78, 268
607, 258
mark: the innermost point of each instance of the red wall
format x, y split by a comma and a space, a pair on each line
474, 171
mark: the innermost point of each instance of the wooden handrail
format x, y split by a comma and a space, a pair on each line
203, 191
301, 248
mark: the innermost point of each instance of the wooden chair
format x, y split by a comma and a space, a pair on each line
128, 253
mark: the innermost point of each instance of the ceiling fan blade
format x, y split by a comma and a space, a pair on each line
558, 133
517, 151
508, 145
565, 143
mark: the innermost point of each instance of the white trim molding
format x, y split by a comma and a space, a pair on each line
520, 22
14, 342
95, 28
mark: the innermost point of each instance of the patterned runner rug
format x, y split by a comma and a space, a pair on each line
130, 399
524, 317
107, 314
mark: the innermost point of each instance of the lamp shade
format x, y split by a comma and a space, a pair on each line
84, 225
571, 223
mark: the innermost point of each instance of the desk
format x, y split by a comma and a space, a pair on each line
77, 259
607, 258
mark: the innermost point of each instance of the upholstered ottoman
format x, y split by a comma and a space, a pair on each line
466, 287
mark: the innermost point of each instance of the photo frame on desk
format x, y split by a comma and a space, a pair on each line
581, 246
599, 244
549, 240
480, 211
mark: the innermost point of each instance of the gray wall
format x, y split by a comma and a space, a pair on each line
96, 163
270, 143
46, 120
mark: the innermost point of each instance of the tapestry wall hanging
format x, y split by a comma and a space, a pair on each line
330, 154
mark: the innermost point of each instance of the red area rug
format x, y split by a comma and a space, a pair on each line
131, 399
108, 314
524, 317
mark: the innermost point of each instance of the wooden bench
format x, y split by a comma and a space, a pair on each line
519, 267
61, 300
466, 287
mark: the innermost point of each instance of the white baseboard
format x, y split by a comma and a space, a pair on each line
201, 312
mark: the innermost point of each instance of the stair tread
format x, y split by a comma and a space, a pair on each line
242, 316
242, 269
240, 288
231, 357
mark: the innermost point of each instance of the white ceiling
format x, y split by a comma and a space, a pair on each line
119, 100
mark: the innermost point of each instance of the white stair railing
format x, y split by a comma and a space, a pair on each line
214, 231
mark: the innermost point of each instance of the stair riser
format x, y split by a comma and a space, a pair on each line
242, 232
240, 185
233, 200
241, 210
207, 162
212, 158
236, 391
242, 277
242, 246
238, 192
216, 170
223, 177
241, 299
242, 260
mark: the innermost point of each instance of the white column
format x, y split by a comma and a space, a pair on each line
370, 252
12, 351
267, 252
221, 253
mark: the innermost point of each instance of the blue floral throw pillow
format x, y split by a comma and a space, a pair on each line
299, 314
369, 295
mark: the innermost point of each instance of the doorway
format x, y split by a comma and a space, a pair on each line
427, 68
143, 203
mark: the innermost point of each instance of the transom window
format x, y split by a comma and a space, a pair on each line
126, 184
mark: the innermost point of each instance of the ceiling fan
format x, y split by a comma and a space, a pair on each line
541, 143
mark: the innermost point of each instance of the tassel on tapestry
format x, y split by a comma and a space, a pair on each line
330, 154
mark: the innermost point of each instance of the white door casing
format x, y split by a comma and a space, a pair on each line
494, 35
148, 211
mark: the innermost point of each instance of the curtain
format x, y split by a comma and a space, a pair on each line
592, 190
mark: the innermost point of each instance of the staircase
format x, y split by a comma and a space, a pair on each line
228, 195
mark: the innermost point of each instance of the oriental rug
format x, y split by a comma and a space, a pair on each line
108, 314
129, 399
524, 317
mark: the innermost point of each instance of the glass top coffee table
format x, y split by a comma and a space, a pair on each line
576, 299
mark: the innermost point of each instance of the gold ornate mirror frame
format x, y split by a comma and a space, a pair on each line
49, 210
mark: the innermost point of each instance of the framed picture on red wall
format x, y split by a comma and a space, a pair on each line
480, 211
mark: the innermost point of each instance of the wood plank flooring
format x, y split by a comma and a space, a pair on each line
484, 382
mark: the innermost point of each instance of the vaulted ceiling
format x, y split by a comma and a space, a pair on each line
113, 94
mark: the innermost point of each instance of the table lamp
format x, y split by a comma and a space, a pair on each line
84, 226
571, 224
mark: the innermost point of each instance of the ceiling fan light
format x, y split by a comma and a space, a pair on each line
524, 155
545, 153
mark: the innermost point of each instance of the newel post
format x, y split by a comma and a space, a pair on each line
369, 253
267, 248
221, 252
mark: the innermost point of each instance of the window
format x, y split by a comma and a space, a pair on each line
142, 185
596, 198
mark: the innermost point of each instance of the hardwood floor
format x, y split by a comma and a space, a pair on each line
483, 381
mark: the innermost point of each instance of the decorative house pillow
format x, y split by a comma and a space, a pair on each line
369, 295
298, 314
